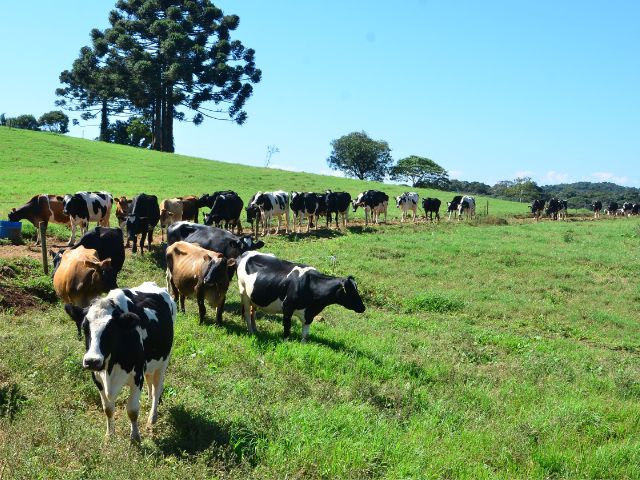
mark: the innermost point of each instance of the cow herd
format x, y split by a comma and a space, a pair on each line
556, 209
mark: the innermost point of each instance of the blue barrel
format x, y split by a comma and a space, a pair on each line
10, 230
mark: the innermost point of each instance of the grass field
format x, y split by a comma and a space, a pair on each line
486, 351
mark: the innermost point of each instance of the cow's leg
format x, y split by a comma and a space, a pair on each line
150, 238
219, 312
142, 238
182, 302
158, 385
201, 308
72, 238
109, 408
286, 323
133, 409
134, 245
246, 311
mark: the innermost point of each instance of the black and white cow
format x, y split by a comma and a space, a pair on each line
431, 206
307, 204
107, 242
406, 202
85, 207
212, 238
128, 336
226, 207
537, 208
635, 210
596, 206
144, 215
627, 207
272, 204
557, 209
374, 203
467, 206
612, 208
452, 206
277, 286
253, 216
338, 203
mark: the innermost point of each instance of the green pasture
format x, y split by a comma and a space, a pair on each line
488, 350
37, 162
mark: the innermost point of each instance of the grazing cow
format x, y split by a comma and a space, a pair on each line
596, 206
431, 206
338, 203
41, 208
143, 217
277, 286
612, 208
107, 242
272, 204
226, 207
374, 203
81, 276
128, 336
635, 210
190, 208
170, 212
627, 208
537, 208
407, 201
212, 238
85, 207
467, 205
122, 210
193, 271
452, 206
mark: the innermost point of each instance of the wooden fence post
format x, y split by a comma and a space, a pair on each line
43, 244
487, 208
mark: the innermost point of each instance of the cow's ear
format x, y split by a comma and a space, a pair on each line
231, 262
13, 209
77, 314
258, 245
128, 320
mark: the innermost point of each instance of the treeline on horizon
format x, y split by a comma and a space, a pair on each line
578, 194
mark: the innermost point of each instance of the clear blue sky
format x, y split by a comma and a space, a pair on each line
489, 90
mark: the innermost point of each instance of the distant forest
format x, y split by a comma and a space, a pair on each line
579, 194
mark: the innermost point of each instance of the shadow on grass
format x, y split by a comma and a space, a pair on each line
193, 433
157, 254
321, 233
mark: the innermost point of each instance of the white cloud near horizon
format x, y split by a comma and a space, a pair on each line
556, 177
609, 177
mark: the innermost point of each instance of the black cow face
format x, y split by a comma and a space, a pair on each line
249, 244
348, 295
103, 325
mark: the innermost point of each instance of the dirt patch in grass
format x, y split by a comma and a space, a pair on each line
23, 286
18, 300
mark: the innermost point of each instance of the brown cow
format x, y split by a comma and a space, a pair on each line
81, 276
196, 271
41, 208
170, 212
189, 208
123, 204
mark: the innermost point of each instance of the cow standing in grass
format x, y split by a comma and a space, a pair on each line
85, 207
596, 206
406, 202
41, 209
128, 337
431, 206
537, 208
374, 203
272, 204
338, 203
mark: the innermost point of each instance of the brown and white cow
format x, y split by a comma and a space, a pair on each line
123, 204
193, 271
171, 210
82, 276
41, 208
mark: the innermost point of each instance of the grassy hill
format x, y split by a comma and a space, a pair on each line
486, 351
37, 162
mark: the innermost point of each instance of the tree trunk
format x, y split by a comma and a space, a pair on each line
168, 120
156, 143
104, 122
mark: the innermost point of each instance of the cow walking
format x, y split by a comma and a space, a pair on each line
467, 207
374, 203
406, 202
431, 206
272, 204
85, 207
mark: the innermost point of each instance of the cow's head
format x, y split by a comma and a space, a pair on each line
218, 272
104, 324
399, 201
105, 271
56, 258
253, 213
246, 243
14, 216
165, 218
136, 225
67, 202
348, 296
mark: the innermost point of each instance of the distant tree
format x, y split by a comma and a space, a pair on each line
419, 171
521, 189
174, 59
54, 121
25, 122
134, 132
3, 119
359, 156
